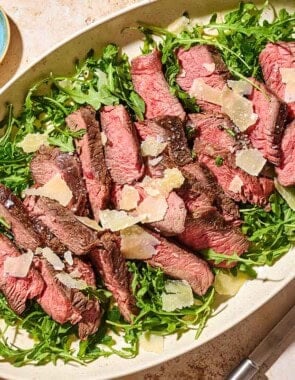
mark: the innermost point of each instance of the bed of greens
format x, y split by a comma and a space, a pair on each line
104, 81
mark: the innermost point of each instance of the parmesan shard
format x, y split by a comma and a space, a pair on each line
152, 209
179, 25
152, 147
155, 161
210, 67
129, 198
32, 142
203, 91
151, 343
115, 220
71, 282
236, 184
288, 193
287, 74
290, 92
238, 108
18, 266
228, 285
250, 160
241, 87
177, 295
136, 243
56, 188
52, 258
68, 257
172, 179
91, 223
104, 138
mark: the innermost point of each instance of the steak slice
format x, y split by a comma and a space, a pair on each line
266, 134
286, 171
122, 149
17, 290
14, 212
62, 223
168, 129
149, 82
48, 162
202, 62
181, 264
202, 190
272, 58
90, 151
55, 299
213, 142
209, 230
89, 308
110, 264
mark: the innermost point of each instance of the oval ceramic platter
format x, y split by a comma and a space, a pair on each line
60, 61
4, 34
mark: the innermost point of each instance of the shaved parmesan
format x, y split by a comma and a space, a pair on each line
241, 87
210, 67
153, 209
238, 108
155, 161
288, 77
115, 220
250, 160
136, 243
32, 142
236, 184
172, 179
129, 198
228, 285
288, 74
18, 266
71, 282
177, 295
202, 91
288, 193
56, 188
52, 258
151, 343
152, 147
104, 138
91, 223
68, 257
211, 32
179, 25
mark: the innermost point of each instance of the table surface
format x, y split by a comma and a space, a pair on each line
37, 26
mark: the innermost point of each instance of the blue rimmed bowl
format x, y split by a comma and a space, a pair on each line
4, 34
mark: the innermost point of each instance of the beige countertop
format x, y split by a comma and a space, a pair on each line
37, 26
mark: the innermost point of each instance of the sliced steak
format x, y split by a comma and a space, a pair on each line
48, 162
266, 134
202, 190
182, 264
212, 143
89, 308
286, 171
169, 129
122, 149
62, 223
56, 299
209, 230
272, 58
14, 212
90, 151
202, 62
149, 82
17, 290
110, 264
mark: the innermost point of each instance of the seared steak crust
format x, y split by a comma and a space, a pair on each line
286, 171
110, 264
90, 151
48, 162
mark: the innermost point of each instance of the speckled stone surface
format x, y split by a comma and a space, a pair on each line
36, 27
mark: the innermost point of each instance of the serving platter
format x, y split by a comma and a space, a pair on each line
4, 34
60, 61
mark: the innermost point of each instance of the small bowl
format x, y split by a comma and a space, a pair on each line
4, 34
